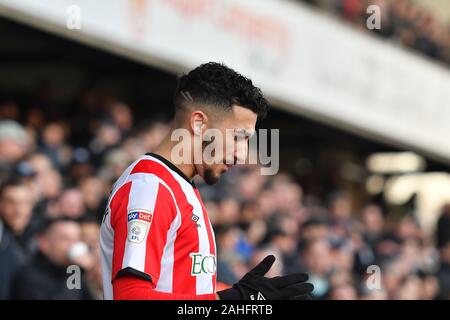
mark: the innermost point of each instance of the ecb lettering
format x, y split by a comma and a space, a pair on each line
203, 264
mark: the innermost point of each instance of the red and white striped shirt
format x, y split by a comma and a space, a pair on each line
157, 228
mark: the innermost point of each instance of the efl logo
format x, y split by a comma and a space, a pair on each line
139, 221
140, 215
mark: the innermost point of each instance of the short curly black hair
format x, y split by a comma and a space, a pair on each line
215, 84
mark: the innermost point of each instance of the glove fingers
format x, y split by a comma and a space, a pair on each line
284, 281
297, 290
264, 266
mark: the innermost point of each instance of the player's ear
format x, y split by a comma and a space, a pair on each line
198, 122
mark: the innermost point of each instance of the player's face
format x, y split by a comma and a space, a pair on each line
236, 129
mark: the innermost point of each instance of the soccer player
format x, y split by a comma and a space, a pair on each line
156, 238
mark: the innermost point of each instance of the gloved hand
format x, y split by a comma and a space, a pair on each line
254, 286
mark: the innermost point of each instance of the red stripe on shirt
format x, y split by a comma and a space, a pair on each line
119, 206
183, 281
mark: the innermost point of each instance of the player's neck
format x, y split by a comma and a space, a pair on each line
165, 151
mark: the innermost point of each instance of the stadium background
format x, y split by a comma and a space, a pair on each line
363, 118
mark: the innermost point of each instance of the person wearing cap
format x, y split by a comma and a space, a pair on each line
13, 140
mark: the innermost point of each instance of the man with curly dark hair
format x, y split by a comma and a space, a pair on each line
156, 238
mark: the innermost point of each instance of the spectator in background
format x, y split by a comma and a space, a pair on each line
250, 184
443, 227
40, 163
9, 109
340, 207
13, 145
16, 209
373, 224
342, 256
344, 291
430, 286
35, 118
85, 114
364, 254
229, 208
232, 263
317, 260
15, 212
90, 234
11, 258
71, 204
313, 229
81, 165
287, 195
285, 244
251, 238
410, 288
107, 137
25, 173
122, 117
444, 271
426, 40
53, 145
373, 294
48, 180
94, 191
45, 276
114, 162
151, 134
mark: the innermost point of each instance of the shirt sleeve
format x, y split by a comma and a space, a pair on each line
133, 288
142, 212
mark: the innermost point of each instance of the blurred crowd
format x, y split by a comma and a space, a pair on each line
57, 166
402, 21
348, 254
56, 170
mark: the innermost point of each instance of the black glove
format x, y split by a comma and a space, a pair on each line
254, 286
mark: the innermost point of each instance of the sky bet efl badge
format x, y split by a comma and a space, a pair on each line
139, 221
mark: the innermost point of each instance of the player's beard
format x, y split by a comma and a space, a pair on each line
209, 176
